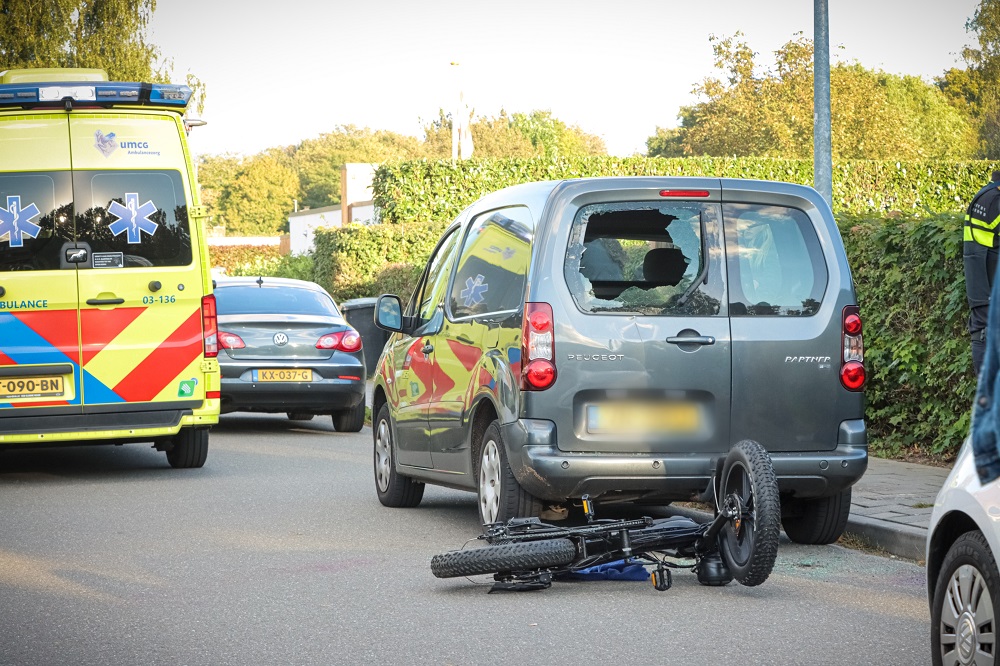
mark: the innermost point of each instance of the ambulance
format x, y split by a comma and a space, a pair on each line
107, 319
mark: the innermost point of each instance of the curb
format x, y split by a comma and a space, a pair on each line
894, 538
897, 539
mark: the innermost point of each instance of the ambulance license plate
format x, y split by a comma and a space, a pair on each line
283, 375
643, 418
15, 388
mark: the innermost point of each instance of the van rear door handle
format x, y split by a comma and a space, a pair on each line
693, 340
105, 301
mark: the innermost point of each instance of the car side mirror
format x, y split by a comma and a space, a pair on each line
389, 313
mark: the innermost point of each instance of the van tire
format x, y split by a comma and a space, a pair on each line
500, 496
818, 521
350, 420
190, 448
393, 489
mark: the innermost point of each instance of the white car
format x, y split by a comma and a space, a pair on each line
963, 584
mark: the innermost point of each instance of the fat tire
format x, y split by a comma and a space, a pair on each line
401, 492
526, 556
751, 456
970, 549
818, 521
190, 448
350, 420
513, 500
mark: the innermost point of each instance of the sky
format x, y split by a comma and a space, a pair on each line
281, 71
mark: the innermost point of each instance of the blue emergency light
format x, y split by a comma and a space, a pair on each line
93, 93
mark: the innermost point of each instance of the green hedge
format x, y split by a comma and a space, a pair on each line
357, 260
245, 259
911, 289
439, 190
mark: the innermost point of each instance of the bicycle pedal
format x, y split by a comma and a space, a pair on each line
662, 580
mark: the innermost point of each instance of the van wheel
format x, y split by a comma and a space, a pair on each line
817, 521
392, 488
500, 495
350, 420
190, 448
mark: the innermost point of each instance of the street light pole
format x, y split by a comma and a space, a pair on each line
822, 143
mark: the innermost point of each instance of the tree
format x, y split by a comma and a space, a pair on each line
975, 91
215, 174
112, 35
492, 137
874, 115
534, 134
259, 198
318, 161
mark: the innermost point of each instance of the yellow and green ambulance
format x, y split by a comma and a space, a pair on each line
107, 318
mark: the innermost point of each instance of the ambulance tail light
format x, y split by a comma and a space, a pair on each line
538, 347
210, 324
346, 341
852, 368
230, 341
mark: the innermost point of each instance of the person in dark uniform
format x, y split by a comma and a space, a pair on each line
980, 251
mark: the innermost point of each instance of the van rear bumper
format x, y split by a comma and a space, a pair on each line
551, 474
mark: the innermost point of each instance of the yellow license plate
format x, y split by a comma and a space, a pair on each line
286, 375
631, 418
15, 388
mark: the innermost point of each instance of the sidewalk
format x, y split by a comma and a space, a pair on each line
891, 505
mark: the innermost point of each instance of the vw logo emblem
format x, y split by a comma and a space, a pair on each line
280, 339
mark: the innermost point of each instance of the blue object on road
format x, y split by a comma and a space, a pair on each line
618, 570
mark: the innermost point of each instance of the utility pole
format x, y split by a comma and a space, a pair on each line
822, 143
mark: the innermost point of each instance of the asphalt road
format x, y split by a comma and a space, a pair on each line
278, 552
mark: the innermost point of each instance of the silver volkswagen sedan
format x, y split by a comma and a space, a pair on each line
285, 347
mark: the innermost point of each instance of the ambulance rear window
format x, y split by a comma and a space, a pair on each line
36, 219
140, 214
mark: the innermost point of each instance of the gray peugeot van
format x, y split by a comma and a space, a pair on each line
615, 337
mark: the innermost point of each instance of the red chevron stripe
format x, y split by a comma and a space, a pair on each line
164, 363
6, 360
57, 327
99, 327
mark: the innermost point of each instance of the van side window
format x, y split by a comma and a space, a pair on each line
646, 258
139, 216
776, 265
430, 293
36, 219
493, 266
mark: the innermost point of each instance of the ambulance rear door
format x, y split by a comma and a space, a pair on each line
39, 325
141, 284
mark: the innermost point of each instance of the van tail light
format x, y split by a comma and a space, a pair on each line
346, 341
538, 347
210, 324
230, 341
852, 362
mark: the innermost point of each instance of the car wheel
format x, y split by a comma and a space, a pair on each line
500, 495
350, 420
300, 416
965, 612
190, 448
817, 521
393, 489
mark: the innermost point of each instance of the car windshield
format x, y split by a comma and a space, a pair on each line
251, 299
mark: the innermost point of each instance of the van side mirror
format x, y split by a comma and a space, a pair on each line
389, 313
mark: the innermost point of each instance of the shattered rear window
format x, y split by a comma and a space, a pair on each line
646, 258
